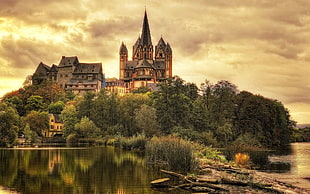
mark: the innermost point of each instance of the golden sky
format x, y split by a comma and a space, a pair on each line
262, 46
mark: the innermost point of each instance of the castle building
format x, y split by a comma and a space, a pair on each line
71, 75
148, 66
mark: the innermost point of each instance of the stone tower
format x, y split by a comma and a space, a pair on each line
147, 67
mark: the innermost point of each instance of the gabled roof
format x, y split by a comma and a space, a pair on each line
54, 68
57, 118
68, 61
145, 64
42, 69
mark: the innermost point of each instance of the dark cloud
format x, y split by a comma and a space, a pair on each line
117, 26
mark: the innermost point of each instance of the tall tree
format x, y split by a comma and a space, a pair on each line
146, 120
38, 121
70, 119
87, 129
35, 103
9, 124
56, 107
85, 106
128, 104
173, 104
105, 110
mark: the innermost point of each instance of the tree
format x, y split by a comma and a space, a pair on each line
146, 120
128, 104
87, 129
9, 124
104, 111
141, 90
35, 103
266, 120
38, 121
173, 104
69, 118
30, 135
85, 106
17, 103
56, 108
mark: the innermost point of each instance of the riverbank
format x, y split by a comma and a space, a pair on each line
223, 178
294, 183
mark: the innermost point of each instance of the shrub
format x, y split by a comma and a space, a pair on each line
136, 142
175, 152
72, 138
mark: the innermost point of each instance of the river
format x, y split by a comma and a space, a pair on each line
290, 164
109, 170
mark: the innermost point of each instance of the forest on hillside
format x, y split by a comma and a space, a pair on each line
211, 114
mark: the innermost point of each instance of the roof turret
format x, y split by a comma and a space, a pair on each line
123, 49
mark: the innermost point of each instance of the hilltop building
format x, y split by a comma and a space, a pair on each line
71, 75
148, 66
115, 86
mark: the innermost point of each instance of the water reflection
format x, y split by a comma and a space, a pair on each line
88, 170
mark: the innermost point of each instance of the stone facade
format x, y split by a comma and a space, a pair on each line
71, 75
147, 66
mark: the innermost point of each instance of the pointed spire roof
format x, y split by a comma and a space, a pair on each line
161, 42
123, 49
146, 34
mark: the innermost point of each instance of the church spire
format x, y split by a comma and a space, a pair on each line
146, 34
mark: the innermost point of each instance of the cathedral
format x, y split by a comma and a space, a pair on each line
147, 67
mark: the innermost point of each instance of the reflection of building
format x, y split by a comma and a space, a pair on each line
71, 75
147, 66
54, 160
55, 126
115, 86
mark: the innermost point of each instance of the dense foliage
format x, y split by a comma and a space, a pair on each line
214, 114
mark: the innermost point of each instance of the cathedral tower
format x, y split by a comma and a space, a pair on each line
147, 67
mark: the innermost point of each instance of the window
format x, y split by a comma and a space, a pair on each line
52, 126
52, 120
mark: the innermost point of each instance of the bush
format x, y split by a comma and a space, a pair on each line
137, 142
72, 138
175, 152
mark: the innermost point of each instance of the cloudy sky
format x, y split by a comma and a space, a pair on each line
261, 46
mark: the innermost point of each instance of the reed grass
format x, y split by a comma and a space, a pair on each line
173, 151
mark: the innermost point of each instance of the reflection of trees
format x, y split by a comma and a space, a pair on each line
86, 170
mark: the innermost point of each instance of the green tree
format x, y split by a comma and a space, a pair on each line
87, 129
17, 103
146, 120
104, 110
9, 124
69, 118
128, 104
173, 104
35, 103
56, 108
141, 90
30, 135
38, 121
84, 107
264, 119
